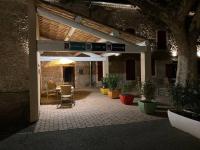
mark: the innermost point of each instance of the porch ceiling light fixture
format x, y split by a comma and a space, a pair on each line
65, 61
117, 54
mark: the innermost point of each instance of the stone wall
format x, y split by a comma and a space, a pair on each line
82, 74
51, 73
14, 61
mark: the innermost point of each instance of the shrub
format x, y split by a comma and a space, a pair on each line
113, 81
186, 97
127, 87
148, 90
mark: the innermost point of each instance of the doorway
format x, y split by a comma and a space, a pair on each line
68, 75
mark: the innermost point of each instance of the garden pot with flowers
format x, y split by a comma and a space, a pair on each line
104, 88
125, 97
113, 82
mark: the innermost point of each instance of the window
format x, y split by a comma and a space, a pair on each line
161, 39
198, 67
153, 67
130, 70
171, 70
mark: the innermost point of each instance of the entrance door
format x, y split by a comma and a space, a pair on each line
100, 70
68, 75
130, 70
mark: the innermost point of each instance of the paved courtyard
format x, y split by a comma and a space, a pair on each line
94, 110
99, 123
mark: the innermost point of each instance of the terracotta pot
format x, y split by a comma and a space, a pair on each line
127, 99
114, 93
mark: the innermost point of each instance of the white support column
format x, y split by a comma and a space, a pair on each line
33, 63
145, 60
105, 67
38, 62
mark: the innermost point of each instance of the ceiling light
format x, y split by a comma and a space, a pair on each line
117, 54
64, 61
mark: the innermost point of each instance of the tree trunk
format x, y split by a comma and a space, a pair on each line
187, 58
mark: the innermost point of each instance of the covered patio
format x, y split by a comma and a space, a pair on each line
93, 110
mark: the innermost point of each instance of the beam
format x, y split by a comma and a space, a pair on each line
92, 54
77, 53
51, 58
70, 33
114, 33
53, 45
97, 33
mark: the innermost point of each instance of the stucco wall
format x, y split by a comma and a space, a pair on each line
82, 74
117, 65
14, 60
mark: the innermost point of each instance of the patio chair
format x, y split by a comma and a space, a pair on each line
67, 94
50, 88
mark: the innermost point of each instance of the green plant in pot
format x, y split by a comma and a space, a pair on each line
148, 105
104, 88
113, 81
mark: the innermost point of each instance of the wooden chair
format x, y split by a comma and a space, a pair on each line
50, 88
67, 94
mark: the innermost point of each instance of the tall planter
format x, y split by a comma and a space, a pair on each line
104, 91
184, 123
104, 88
126, 99
113, 81
148, 105
114, 94
186, 115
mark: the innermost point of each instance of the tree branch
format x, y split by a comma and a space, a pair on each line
185, 7
195, 24
153, 9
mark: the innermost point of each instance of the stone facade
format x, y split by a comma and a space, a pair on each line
14, 57
82, 74
51, 73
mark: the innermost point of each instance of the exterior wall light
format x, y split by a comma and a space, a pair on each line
174, 51
198, 50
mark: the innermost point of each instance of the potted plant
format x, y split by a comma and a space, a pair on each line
113, 81
148, 105
185, 114
125, 97
104, 88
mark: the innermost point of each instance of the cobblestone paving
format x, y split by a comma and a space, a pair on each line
94, 110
